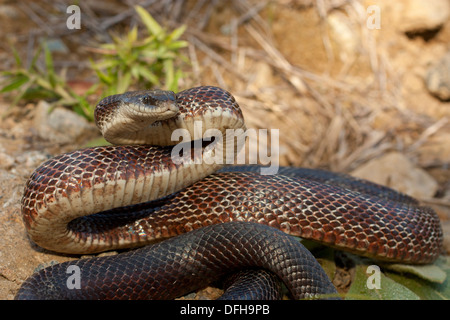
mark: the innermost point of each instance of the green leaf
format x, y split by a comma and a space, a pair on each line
431, 272
168, 69
34, 93
148, 75
105, 64
151, 24
49, 66
176, 34
150, 54
16, 83
135, 71
108, 80
425, 289
132, 36
35, 58
109, 46
84, 109
17, 57
44, 83
124, 82
174, 85
131, 61
177, 45
363, 287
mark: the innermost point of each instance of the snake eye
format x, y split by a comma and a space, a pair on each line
149, 100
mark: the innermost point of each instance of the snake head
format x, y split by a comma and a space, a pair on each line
153, 104
123, 118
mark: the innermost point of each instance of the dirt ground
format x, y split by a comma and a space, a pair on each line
341, 94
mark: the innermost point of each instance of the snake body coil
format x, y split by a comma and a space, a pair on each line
198, 257
111, 197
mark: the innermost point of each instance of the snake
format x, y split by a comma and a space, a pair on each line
191, 215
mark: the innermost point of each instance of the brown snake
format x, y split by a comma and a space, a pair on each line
69, 200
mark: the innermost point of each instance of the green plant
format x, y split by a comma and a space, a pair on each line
126, 62
43, 83
130, 61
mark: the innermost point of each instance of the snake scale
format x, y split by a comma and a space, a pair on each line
133, 193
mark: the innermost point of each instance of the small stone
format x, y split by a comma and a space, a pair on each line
61, 125
436, 152
209, 293
45, 265
438, 78
419, 15
446, 230
32, 159
398, 172
6, 161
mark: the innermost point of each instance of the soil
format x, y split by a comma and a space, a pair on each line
369, 93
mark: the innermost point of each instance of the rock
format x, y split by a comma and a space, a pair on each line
6, 161
419, 15
438, 78
446, 230
29, 160
209, 293
10, 191
436, 151
398, 172
61, 125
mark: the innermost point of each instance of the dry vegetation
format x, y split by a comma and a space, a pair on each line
338, 101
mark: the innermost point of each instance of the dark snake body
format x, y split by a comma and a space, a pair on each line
186, 263
294, 202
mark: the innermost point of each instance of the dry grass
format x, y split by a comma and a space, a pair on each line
326, 121
329, 120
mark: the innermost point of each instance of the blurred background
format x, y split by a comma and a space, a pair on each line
361, 87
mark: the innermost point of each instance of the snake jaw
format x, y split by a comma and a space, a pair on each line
153, 105
143, 112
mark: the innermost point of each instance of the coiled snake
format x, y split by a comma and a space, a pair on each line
134, 193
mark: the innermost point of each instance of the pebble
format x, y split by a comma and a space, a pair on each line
398, 172
6, 161
32, 159
438, 78
436, 151
419, 15
61, 125
446, 230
